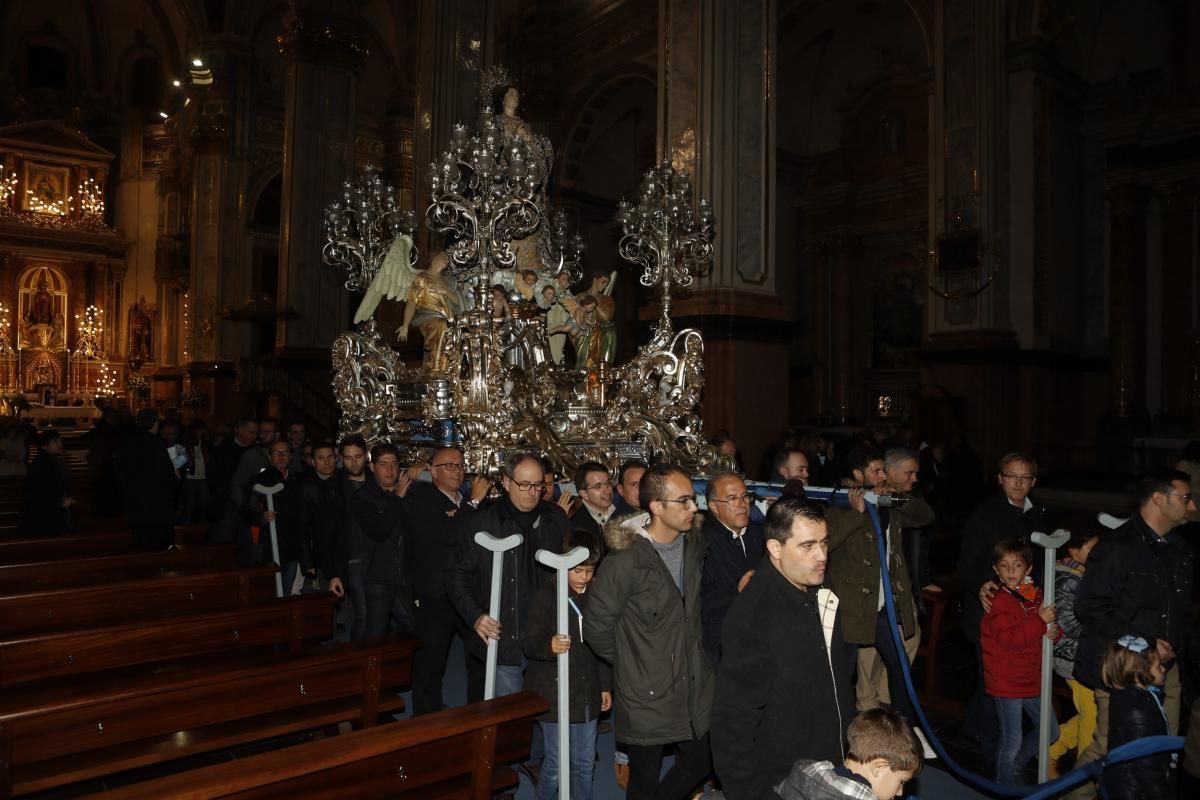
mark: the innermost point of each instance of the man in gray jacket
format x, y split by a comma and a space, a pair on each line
644, 618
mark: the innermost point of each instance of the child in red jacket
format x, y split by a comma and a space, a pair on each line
1011, 639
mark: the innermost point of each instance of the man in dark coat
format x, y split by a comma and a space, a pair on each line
431, 509
543, 525
291, 532
1010, 515
148, 480
324, 499
1138, 581
226, 455
735, 547
629, 479
378, 508
594, 485
783, 691
643, 619
47, 504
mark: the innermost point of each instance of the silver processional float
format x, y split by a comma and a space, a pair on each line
486, 307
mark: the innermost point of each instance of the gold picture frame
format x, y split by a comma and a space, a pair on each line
49, 184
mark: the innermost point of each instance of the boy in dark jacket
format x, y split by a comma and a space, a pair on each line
591, 679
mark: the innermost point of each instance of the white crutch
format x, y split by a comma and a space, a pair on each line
562, 565
1109, 521
1051, 542
498, 548
269, 491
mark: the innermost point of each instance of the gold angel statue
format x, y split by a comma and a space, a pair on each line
430, 300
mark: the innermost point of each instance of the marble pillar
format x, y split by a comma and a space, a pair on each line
324, 53
1179, 292
1127, 298
716, 119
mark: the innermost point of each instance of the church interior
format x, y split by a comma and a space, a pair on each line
974, 219
965, 224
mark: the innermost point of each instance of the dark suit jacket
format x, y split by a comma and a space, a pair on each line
582, 520
430, 537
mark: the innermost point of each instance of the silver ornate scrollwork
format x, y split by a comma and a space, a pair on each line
496, 390
663, 234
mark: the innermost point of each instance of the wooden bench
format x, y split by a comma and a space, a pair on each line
9, 526
289, 621
114, 603
57, 734
85, 545
68, 573
449, 754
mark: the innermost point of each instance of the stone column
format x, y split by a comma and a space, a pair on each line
716, 119
1179, 323
324, 53
1127, 298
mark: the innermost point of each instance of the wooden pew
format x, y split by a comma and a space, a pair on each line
86, 545
114, 603
449, 754
68, 573
9, 528
291, 622
57, 734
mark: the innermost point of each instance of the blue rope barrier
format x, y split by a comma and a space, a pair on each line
1130, 751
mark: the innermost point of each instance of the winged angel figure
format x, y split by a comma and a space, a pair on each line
430, 300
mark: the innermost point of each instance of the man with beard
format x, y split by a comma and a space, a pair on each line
642, 618
782, 691
353, 452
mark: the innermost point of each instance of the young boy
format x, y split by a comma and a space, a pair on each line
884, 754
1010, 638
591, 679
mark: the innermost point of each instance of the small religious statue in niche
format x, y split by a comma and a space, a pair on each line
41, 307
897, 320
430, 301
141, 331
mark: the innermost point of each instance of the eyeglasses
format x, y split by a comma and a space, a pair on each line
528, 486
452, 466
1015, 478
1186, 498
737, 499
690, 500
595, 486
286, 453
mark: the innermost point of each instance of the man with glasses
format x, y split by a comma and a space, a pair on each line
734, 549
594, 485
295, 555
643, 618
1138, 581
431, 509
1010, 515
469, 579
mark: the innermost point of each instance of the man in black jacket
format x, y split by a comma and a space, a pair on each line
1138, 581
543, 525
1010, 515
291, 533
324, 515
226, 455
783, 690
431, 509
378, 508
629, 479
148, 480
594, 485
735, 547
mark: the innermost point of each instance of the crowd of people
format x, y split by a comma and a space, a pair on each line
756, 649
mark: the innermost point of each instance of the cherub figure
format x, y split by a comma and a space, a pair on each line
430, 301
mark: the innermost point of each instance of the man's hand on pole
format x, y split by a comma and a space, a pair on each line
487, 628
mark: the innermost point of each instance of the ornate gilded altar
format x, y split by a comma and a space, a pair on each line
489, 386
